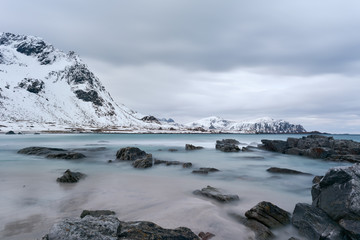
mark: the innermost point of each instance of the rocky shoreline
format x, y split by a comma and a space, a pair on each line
333, 215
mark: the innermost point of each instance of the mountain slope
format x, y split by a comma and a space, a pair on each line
261, 125
41, 84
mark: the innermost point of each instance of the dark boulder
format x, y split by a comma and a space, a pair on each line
269, 214
286, 171
192, 147
67, 155
96, 213
227, 145
10, 133
32, 85
70, 177
314, 223
130, 154
216, 194
338, 193
261, 231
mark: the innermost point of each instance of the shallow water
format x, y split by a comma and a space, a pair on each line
31, 200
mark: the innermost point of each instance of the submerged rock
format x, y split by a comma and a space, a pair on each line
111, 228
96, 213
286, 171
192, 147
269, 214
40, 150
146, 162
67, 155
216, 194
205, 170
70, 177
227, 145
206, 236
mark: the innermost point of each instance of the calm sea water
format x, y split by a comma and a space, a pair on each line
31, 200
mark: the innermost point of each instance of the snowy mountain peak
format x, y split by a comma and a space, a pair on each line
39, 83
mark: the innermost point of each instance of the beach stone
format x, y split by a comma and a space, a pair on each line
192, 147
10, 133
70, 177
274, 145
130, 154
216, 194
96, 213
314, 223
338, 193
261, 231
286, 171
67, 155
227, 145
40, 150
269, 214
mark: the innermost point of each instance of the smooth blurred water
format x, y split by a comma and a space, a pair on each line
31, 200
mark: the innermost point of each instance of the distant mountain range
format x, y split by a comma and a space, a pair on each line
260, 125
42, 87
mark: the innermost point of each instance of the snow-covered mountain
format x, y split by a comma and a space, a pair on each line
41, 84
261, 125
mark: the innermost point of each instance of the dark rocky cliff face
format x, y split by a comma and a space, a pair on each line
32, 85
90, 96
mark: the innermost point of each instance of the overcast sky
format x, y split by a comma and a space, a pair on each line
188, 59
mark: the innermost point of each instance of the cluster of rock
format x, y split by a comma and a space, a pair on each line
103, 225
227, 145
316, 146
192, 147
57, 153
141, 159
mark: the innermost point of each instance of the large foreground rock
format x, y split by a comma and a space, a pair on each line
338, 193
316, 146
269, 214
227, 145
111, 228
217, 194
315, 224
